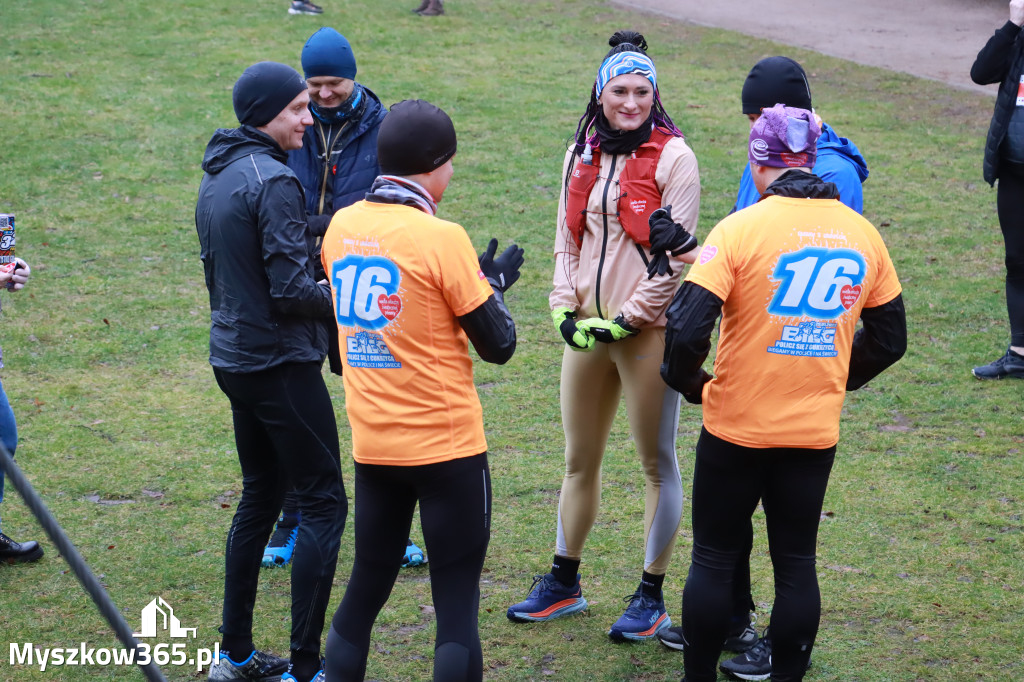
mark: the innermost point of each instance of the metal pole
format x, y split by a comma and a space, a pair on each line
103, 602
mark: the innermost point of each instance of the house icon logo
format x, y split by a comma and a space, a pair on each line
159, 613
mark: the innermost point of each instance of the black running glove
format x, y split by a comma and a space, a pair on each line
666, 236
503, 271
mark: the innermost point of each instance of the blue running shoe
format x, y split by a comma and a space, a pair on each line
278, 553
549, 599
414, 556
260, 666
288, 677
643, 619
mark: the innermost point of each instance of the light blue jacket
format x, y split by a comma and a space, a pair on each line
839, 161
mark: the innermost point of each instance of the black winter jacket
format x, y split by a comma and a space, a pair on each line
1000, 61
331, 186
257, 251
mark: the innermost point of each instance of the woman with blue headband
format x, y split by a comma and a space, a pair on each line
627, 172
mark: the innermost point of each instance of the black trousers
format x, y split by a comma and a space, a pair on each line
285, 434
728, 481
1010, 207
455, 512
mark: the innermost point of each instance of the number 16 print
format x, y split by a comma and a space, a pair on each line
364, 291
817, 282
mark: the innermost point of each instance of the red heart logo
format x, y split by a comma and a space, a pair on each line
389, 306
848, 295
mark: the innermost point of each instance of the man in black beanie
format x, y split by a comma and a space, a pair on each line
411, 296
267, 345
781, 80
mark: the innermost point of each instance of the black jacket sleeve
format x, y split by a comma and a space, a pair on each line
995, 59
691, 320
491, 330
287, 250
318, 224
879, 343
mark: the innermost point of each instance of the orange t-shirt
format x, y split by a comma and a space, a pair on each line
400, 278
794, 274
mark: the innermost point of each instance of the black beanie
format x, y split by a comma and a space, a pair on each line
776, 80
263, 91
415, 137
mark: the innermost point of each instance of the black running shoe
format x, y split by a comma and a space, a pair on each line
1010, 365
755, 664
303, 7
737, 642
743, 640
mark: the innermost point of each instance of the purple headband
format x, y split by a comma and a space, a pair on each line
784, 137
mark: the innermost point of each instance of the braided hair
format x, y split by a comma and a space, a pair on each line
621, 41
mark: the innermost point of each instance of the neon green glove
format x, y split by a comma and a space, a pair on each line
569, 327
608, 332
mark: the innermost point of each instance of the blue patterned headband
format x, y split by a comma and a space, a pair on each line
623, 63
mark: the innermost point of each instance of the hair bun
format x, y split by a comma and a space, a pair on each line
629, 37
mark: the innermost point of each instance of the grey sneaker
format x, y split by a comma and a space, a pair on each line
260, 666
1010, 365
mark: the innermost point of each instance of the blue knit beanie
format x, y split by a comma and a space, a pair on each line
327, 53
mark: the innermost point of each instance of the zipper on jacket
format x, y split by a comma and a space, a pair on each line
327, 167
328, 154
604, 238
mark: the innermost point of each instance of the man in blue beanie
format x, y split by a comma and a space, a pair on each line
336, 165
267, 346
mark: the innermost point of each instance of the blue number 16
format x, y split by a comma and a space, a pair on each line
359, 282
813, 280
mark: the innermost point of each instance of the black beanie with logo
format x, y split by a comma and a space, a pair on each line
415, 137
776, 80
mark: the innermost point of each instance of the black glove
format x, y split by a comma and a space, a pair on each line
503, 271
694, 393
666, 235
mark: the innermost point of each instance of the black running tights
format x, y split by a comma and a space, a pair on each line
728, 481
285, 431
455, 512
1010, 207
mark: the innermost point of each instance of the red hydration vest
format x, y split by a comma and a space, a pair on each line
638, 192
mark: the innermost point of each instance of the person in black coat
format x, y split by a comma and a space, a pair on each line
1002, 61
267, 346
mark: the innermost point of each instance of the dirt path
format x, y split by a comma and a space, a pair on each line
936, 39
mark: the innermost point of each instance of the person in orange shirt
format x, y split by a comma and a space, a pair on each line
790, 277
410, 295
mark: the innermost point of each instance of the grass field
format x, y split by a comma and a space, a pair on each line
107, 107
